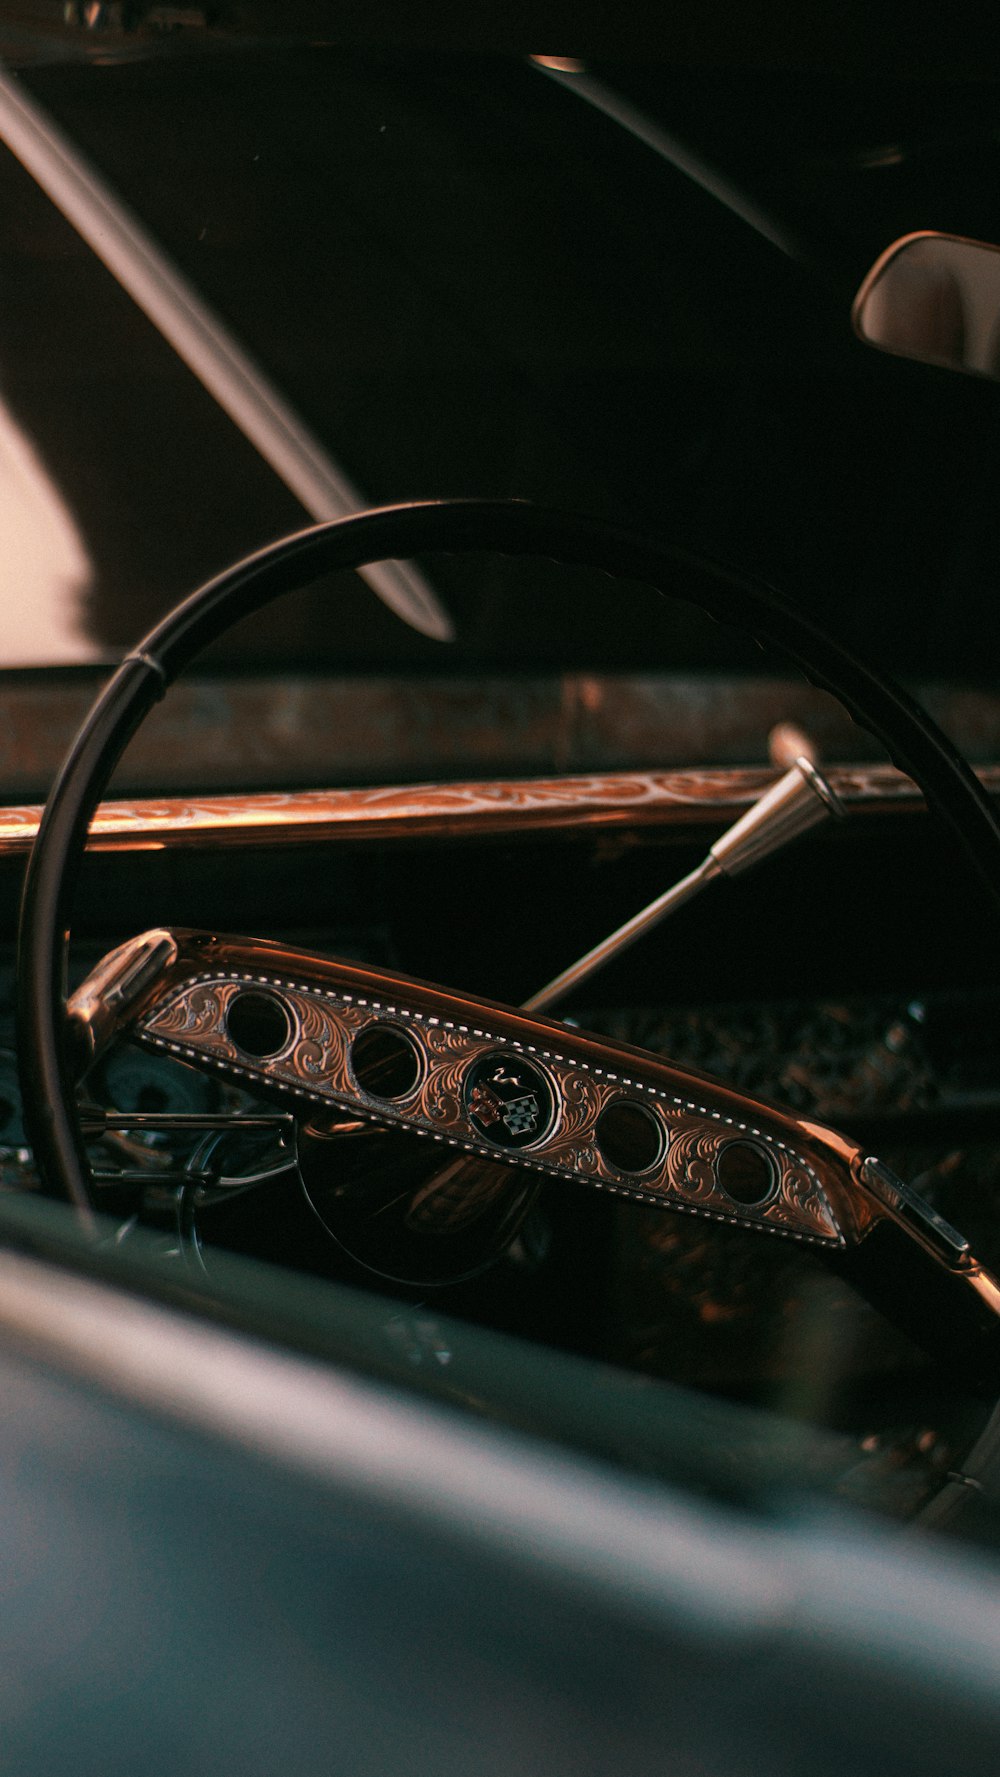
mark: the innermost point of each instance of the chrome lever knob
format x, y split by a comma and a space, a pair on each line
799, 800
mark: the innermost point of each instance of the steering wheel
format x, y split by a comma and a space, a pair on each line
499, 1087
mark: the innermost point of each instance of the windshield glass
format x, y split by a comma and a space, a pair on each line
464, 278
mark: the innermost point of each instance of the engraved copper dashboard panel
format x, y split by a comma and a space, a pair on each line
584, 1076
602, 802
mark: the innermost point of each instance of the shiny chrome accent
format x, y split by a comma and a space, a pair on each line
201, 340
115, 989
619, 940
917, 1216
928, 1278
801, 798
96, 1122
798, 801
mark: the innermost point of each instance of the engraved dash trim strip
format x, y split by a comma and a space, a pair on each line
316, 1069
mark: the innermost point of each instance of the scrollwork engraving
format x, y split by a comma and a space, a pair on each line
316, 1066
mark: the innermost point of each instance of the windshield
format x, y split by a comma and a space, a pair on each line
466, 278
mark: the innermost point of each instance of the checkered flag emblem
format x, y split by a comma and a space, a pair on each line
521, 1114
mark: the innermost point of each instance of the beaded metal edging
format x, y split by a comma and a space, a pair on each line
378, 1111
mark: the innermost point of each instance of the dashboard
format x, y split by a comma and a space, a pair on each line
891, 1038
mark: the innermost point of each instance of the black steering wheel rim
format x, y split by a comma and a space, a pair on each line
912, 739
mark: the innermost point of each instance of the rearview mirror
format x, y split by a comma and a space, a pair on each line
934, 297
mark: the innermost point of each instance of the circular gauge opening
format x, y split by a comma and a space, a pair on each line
258, 1023
629, 1137
385, 1062
746, 1172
